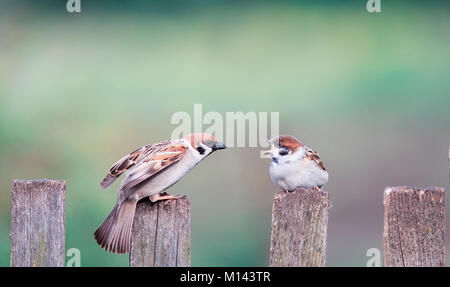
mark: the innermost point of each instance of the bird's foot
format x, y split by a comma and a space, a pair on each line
165, 196
169, 198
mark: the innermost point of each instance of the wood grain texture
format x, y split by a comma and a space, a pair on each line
299, 228
161, 234
414, 226
38, 223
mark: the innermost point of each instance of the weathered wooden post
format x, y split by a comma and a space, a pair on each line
414, 226
299, 228
161, 234
38, 223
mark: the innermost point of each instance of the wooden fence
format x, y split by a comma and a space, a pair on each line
414, 227
161, 234
38, 215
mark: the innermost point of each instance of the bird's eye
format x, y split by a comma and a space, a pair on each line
201, 150
283, 152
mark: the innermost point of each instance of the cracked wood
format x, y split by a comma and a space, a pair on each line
161, 234
299, 228
38, 210
414, 226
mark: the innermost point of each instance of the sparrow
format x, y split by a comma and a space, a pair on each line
295, 165
149, 171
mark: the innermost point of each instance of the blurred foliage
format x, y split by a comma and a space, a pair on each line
370, 92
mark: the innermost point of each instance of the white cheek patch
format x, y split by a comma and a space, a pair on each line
300, 153
291, 157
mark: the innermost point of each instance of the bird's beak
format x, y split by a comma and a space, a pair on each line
219, 145
267, 153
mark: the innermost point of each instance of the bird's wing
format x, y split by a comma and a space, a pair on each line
122, 165
314, 156
153, 160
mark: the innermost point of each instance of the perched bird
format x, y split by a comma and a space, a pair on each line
295, 165
150, 170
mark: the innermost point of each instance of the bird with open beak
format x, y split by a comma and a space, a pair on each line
149, 170
295, 165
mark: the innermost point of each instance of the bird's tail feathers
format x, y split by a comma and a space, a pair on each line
114, 234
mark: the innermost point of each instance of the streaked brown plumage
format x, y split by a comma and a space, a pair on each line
150, 170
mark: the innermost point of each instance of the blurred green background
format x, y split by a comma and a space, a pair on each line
369, 92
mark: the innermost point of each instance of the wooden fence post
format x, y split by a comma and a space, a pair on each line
414, 226
299, 228
38, 211
161, 234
